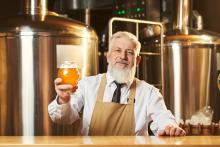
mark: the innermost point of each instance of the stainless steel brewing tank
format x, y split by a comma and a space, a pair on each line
31, 48
187, 70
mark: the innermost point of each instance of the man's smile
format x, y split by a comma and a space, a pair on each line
122, 62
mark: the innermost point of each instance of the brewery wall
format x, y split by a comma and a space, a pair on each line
210, 11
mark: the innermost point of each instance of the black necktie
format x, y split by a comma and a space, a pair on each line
117, 93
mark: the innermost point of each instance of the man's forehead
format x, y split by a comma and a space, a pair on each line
117, 41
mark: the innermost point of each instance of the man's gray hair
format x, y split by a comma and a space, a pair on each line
130, 36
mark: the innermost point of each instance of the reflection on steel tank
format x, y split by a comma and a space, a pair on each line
190, 61
189, 56
32, 46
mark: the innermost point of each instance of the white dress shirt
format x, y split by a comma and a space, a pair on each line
149, 105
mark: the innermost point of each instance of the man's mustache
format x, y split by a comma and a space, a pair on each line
123, 62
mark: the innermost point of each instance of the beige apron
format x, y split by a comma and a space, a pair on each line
113, 118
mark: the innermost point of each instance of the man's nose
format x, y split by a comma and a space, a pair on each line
123, 55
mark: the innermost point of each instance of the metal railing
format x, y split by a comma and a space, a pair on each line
137, 22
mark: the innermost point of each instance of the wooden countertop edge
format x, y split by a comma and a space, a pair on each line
108, 141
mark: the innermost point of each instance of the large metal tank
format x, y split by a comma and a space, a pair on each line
32, 45
188, 56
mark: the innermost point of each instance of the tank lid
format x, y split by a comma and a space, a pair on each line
193, 35
45, 25
36, 20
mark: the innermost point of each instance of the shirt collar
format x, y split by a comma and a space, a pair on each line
110, 80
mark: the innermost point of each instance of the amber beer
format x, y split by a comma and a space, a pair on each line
69, 73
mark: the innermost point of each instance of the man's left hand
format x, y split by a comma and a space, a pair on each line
172, 130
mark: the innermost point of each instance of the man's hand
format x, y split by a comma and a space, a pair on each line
172, 130
63, 91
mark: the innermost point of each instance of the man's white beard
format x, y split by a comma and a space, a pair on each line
121, 75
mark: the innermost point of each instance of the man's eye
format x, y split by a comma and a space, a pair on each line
117, 50
131, 53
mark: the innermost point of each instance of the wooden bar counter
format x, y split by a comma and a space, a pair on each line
110, 141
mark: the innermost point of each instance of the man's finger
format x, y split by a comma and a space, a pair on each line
57, 81
173, 131
178, 132
183, 133
65, 94
74, 88
64, 87
167, 130
161, 133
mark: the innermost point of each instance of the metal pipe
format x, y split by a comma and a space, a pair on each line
35, 7
183, 15
87, 16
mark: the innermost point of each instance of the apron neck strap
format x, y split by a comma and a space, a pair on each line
103, 83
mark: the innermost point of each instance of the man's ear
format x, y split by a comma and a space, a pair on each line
138, 59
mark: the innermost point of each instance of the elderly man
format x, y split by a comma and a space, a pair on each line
115, 103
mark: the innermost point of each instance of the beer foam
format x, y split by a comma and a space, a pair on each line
68, 64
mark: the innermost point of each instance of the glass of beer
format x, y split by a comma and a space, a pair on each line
69, 73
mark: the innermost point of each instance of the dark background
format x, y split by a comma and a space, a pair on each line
209, 9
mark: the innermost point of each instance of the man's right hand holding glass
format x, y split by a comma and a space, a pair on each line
63, 91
